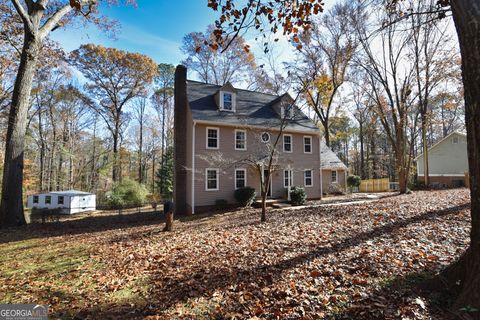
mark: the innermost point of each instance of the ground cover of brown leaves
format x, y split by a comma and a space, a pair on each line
357, 261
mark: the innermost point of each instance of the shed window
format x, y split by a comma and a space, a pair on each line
455, 140
334, 176
48, 199
60, 200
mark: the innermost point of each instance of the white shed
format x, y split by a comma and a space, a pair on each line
71, 201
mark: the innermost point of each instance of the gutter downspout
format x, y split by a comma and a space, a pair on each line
193, 167
320, 165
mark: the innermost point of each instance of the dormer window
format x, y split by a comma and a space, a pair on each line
287, 112
227, 101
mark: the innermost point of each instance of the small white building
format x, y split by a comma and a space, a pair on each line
71, 201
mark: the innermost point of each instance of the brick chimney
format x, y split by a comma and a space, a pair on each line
180, 140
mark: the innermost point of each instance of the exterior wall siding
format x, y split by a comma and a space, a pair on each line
446, 158
327, 179
297, 160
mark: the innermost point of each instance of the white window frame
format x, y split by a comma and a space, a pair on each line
222, 108
218, 138
305, 178
235, 139
291, 142
269, 137
336, 177
217, 179
311, 144
235, 177
290, 177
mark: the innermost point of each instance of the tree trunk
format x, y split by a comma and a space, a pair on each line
425, 150
466, 14
11, 207
263, 217
116, 160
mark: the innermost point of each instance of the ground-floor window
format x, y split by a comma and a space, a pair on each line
334, 176
308, 178
35, 199
60, 200
240, 178
287, 178
48, 199
211, 181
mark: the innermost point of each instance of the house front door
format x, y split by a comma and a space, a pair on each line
269, 191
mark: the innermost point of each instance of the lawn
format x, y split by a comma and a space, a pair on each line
358, 261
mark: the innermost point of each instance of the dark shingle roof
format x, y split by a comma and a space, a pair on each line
328, 158
252, 108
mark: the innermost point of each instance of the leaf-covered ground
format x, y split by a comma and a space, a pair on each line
356, 261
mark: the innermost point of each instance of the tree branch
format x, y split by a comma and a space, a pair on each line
24, 15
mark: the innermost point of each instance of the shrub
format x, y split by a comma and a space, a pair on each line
127, 193
245, 196
335, 189
353, 182
298, 196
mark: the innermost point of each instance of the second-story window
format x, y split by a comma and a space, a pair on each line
287, 143
307, 144
228, 101
240, 140
212, 138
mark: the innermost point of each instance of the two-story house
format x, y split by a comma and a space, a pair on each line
221, 133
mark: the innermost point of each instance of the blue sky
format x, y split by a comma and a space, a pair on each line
154, 28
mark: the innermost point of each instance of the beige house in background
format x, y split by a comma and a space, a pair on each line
220, 131
334, 171
447, 161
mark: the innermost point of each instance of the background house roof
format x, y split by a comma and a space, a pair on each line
252, 109
328, 158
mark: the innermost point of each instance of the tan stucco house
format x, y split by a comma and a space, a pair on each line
221, 131
447, 161
334, 171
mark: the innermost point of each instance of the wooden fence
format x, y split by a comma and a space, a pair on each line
375, 185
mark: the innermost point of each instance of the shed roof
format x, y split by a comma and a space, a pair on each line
328, 158
71, 193
252, 109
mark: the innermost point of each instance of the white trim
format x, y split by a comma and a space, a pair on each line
217, 178
235, 139
235, 176
311, 144
305, 178
274, 128
222, 102
444, 175
218, 138
193, 167
336, 176
291, 142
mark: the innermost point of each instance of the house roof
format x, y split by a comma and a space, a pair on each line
252, 109
328, 158
441, 141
